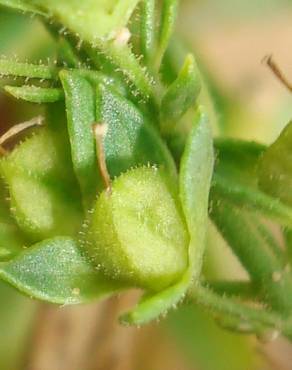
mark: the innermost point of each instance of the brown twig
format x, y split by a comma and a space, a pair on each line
277, 72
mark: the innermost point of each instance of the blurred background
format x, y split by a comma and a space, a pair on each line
230, 39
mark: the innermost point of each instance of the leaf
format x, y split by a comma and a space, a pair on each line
250, 198
80, 108
236, 179
147, 29
195, 178
275, 168
13, 68
181, 94
35, 94
168, 18
130, 140
54, 270
237, 160
96, 19
248, 242
240, 229
11, 241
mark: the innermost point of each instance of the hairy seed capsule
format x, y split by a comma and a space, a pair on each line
137, 233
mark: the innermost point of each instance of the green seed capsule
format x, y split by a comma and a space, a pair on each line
136, 232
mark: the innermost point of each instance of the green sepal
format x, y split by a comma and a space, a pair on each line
54, 270
181, 94
151, 307
44, 196
80, 109
136, 233
12, 240
36, 94
130, 140
195, 179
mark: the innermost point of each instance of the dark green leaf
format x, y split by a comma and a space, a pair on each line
55, 271
275, 168
130, 140
80, 108
237, 160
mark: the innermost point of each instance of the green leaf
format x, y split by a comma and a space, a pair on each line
80, 108
275, 168
95, 20
248, 242
147, 29
35, 94
181, 94
250, 198
195, 178
54, 270
130, 140
13, 68
168, 18
44, 194
237, 160
11, 241
236, 179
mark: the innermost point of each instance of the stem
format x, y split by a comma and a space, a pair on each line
244, 289
240, 315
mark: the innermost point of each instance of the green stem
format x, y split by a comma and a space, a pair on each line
244, 289
253, 199
240, 315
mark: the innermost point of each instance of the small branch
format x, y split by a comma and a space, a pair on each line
100, 131
277, 72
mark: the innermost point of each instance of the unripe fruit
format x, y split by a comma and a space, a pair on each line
137, 233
